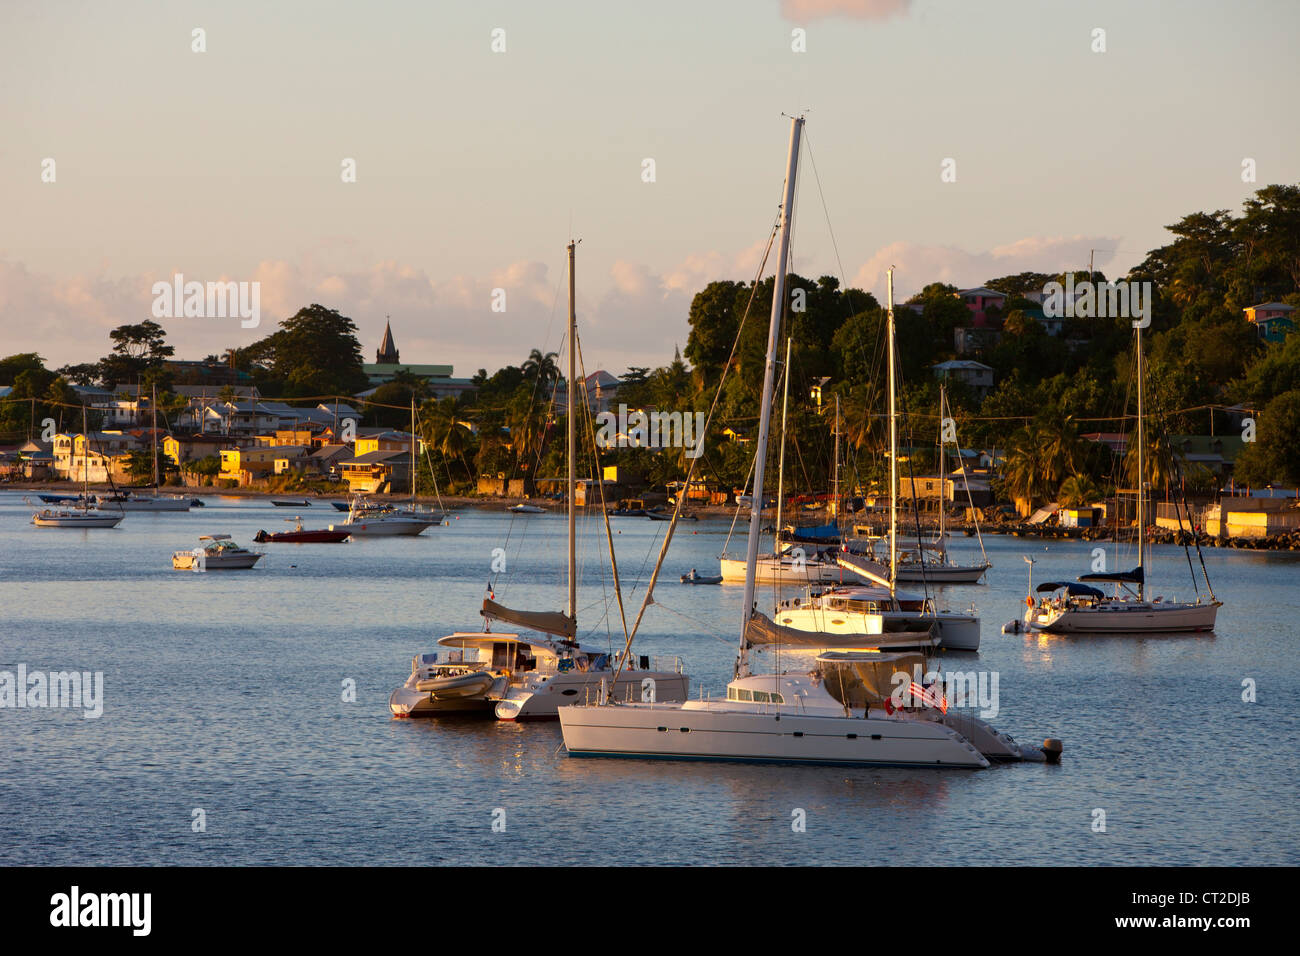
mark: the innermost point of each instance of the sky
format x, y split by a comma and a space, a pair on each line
474, 166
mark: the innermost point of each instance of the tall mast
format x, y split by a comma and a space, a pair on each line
893, 449
414, 442
765, 409
780, 470
153, 405
943, 491
836, 490
1142, 474
85, 460
573, 440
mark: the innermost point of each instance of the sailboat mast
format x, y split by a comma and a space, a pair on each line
780, 468
893, 448
1142, 474
153, 406
573, 440
765, 408
943, 491
414, 442
836, 490
85, 461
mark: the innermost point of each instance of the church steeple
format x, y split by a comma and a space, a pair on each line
387, 354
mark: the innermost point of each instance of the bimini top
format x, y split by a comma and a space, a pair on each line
1071, 588
1119, 577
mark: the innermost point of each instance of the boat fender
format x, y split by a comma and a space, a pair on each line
1052, 749
889, 707
1029, 600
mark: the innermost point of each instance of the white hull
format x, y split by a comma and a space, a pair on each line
769, 570
956, 632
149, 504
704, 731
89, 519
543, 698
941, 574
186, 561
1124, 617
409, 702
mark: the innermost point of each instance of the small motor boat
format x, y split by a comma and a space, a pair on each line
283, 503
522, 509
696, 578
299, 536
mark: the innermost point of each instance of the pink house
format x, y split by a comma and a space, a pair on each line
979, 301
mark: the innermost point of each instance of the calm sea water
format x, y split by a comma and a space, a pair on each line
224, 692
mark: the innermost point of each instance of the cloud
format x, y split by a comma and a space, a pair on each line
916, 265
633, 315
802, 11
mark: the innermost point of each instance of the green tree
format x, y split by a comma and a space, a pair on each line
314, 352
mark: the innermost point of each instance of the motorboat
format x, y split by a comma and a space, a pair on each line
220, 554
135, 501
301, 536
283, 503
387, 522
66, 499
522, 677
796, 565
526, 509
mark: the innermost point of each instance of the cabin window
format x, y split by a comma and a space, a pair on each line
777, 698
760, 696
742, 694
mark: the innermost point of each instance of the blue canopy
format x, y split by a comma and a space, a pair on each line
1071, 588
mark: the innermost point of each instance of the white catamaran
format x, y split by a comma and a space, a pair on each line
791, 717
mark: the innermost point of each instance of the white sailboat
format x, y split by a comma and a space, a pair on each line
150, 501
1071, 609
790, 717
533, 677
849, 613
84, 516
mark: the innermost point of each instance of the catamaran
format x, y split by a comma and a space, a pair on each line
793, 717
1070, 609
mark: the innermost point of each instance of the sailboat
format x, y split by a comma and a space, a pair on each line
1068, 608
844, 616
929, 562
534, 676
85, 516
132, 501
795, 717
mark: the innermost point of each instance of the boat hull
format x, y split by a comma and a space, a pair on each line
1125, 617
409, 702
786, 571
684, 733
377, 529
76, 520
955, 632
543, 699
150, 504
942, 574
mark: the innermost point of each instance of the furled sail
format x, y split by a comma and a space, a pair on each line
549, 622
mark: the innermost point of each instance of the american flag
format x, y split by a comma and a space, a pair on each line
928, 697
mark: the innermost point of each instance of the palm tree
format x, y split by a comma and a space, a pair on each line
1028, 473
541, 367
1078, 491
